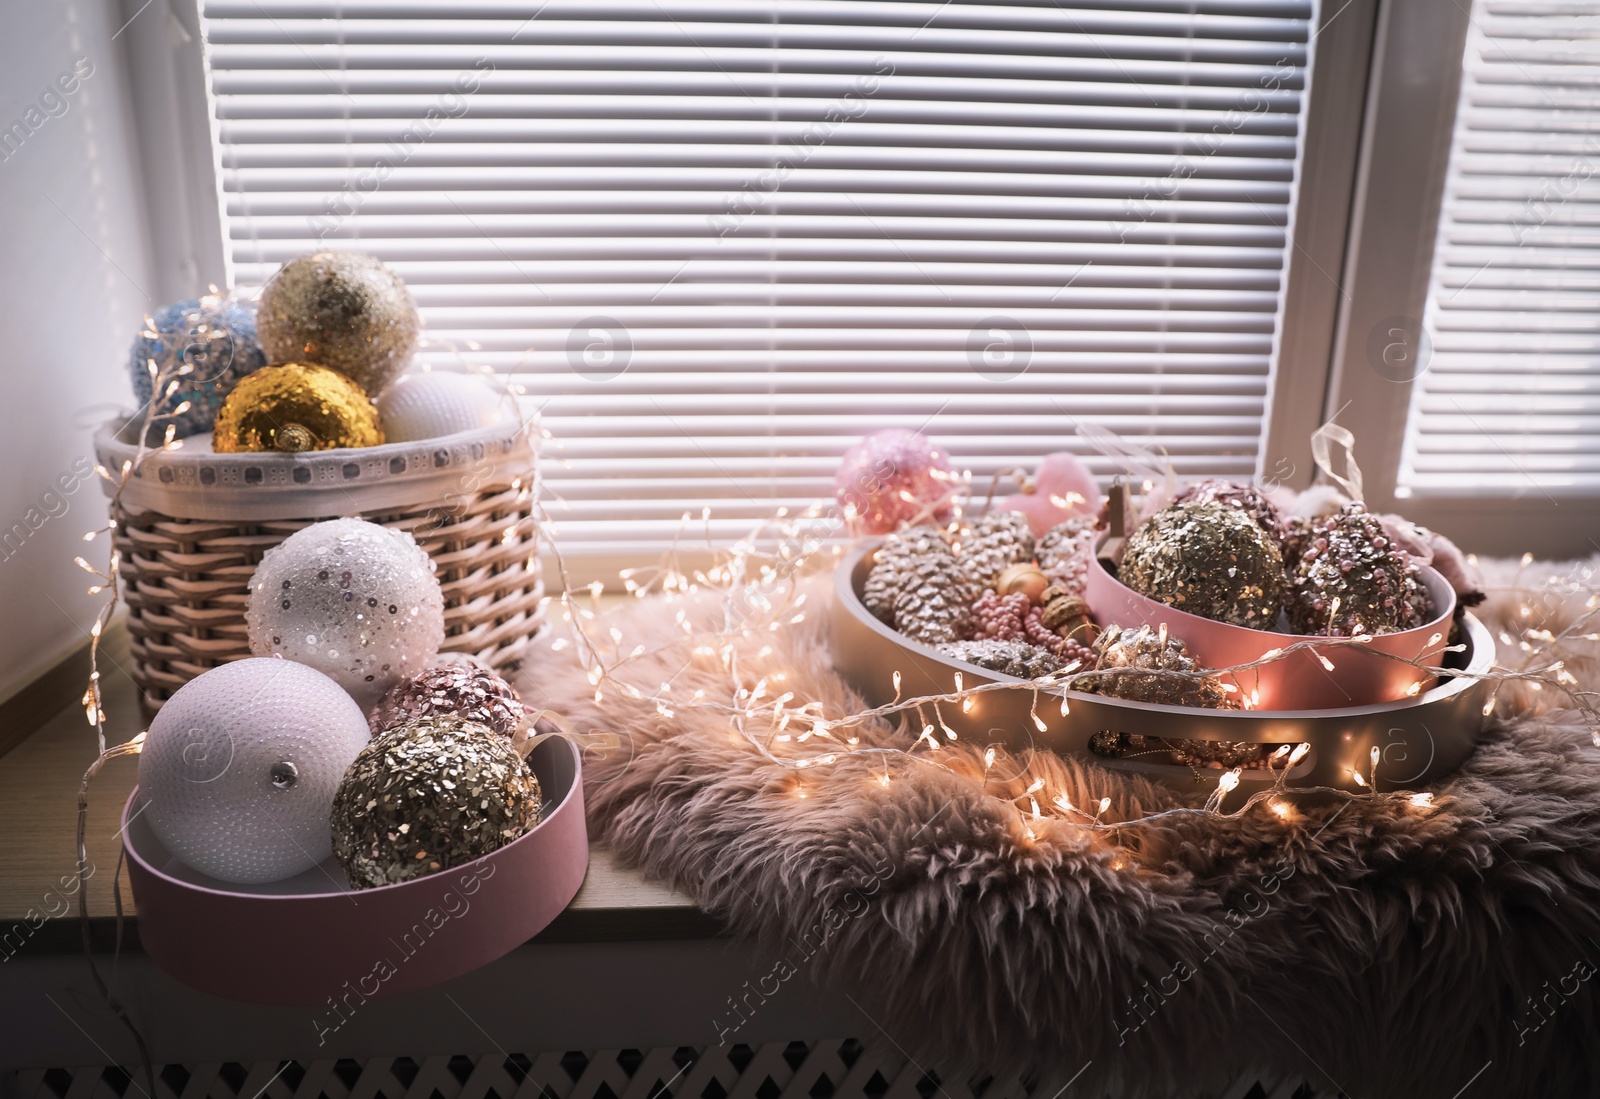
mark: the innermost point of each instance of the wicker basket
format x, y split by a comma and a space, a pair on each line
193, 525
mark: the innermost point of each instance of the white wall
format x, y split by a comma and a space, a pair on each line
74, 275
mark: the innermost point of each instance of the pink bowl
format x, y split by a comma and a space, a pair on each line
1300, 681
311, 939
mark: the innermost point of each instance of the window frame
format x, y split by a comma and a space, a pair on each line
1405, 154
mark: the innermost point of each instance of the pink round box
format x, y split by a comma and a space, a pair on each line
311, 939
1360, 676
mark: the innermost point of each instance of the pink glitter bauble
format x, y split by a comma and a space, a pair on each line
893, 477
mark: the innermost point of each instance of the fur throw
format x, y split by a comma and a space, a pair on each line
1368, 947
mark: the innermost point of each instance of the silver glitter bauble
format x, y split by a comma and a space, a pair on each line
239, 768
1209, 560
461, 688
342, 310
357, 601
428, 795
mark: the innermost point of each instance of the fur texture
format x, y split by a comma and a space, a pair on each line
1369, 947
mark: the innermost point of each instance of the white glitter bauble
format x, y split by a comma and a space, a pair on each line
356, 601
239, 769
437, 403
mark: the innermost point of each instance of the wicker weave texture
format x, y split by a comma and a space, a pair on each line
185, 582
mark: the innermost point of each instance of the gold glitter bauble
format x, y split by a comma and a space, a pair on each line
1212, 560
428, 795
345, 310
295, 407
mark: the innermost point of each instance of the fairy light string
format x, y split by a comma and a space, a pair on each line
754, 588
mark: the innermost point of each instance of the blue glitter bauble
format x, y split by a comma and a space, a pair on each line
215, 336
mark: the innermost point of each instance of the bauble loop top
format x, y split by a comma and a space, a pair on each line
345, 310
205, 345
293, 408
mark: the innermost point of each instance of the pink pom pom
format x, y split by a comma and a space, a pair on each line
894, 477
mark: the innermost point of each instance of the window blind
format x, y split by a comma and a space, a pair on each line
719, 240
1508, 404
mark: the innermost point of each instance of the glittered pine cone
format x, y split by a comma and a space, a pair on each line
1016, 658
933, 600
1063, 552
1147, 665
893, 565
993, 543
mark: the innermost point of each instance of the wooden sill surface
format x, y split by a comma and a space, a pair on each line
39, 782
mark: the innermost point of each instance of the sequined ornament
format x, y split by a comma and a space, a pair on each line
295, 407
1149, 665
436, 403
1063, 553
1016, 658
345, 310
460, 687
428, 795
893, 477
352, 599
239, 768
894, 559
1352, 579
1209, 560
205, 345
1247, 498
994, 543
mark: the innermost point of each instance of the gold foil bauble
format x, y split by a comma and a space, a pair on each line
345, 310
1026, 579
295, 407
433, 793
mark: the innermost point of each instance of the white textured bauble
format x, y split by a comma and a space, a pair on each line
436, 403
356, 601
239, 769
